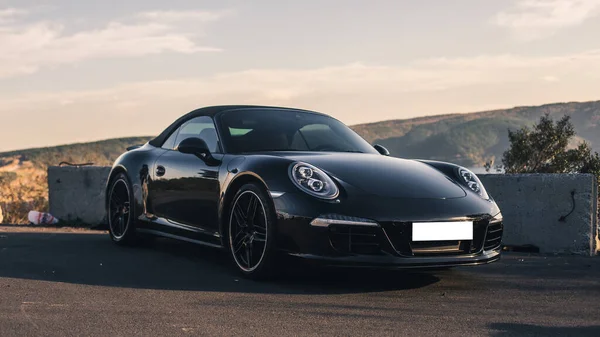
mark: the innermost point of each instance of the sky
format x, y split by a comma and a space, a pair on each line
74, 71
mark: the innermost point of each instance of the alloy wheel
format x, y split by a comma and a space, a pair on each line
248, 231
119, 208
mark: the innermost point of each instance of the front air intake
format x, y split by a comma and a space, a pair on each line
355, 239
493, 236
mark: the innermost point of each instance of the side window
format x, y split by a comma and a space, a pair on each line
200, 127
169, 144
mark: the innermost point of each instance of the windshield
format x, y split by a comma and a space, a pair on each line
258, 130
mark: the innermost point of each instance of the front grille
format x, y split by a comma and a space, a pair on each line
355, 239
493, 237
397, 237
400, 236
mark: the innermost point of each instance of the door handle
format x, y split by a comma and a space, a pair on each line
160, 171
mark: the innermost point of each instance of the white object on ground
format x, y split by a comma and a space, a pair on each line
40, 218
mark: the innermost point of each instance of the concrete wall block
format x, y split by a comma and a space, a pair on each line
77, 193
596, 220
532, 205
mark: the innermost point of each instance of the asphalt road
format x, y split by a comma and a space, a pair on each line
79, 283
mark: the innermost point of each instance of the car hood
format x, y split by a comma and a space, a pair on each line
383, 176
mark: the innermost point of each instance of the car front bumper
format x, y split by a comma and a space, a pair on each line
382, 242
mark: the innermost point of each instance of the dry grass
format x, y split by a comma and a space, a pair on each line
57, 229
22, 191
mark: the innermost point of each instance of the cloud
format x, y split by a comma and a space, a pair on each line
354, 92
535, 19
9, 15
549, 78
511, 61
29, 47
298, 86
176, 16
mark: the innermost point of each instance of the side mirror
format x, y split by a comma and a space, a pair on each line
381, 149
197, 147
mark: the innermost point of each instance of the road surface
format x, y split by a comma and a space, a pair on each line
63, 283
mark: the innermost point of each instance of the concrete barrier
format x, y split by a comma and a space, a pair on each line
76, 194
539, 210
532, 205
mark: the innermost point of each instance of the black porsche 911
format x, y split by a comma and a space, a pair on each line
263, 182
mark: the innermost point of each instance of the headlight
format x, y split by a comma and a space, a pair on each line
313, 181
470, 180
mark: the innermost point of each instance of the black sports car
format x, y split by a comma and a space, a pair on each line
266, 181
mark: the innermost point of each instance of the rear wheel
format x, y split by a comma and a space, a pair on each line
120, 210
251, 232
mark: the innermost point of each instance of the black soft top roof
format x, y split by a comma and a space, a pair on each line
211, 111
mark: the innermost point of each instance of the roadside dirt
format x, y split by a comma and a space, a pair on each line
36, 229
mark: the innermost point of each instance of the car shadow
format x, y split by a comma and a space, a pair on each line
92, 259
516, 329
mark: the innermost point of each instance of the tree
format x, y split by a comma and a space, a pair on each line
488, 165
545, 149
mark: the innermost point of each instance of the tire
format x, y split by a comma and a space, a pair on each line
120, 211
250, 232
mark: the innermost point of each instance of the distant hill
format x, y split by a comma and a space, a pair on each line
100, 153
468, 139
472, 139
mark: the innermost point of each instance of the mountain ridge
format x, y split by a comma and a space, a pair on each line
468, 139
471, 139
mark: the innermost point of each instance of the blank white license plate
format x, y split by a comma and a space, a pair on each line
442, 231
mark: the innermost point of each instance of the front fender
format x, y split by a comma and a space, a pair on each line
271, 171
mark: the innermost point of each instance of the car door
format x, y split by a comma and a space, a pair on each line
185, 189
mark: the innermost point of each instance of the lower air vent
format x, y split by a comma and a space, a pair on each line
493, 237
436, 247
355, 239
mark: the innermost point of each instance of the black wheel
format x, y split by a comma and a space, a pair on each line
251, 232
120, 210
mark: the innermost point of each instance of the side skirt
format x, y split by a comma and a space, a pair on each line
169, 229
177, 237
